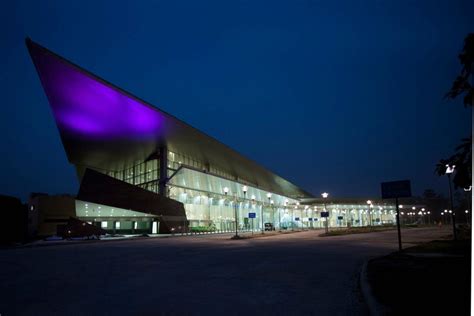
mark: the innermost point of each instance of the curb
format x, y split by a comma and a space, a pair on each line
375, 307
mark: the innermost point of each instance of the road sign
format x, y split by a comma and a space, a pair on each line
297, 218
324, 214
339, 217
310, 219
252, 215
396, 189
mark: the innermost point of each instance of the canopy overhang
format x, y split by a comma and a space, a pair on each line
105, 127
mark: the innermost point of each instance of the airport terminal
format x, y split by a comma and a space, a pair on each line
142, 170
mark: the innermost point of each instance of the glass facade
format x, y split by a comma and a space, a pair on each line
355, 215
144, 175
207, 204
213, 199
113, 219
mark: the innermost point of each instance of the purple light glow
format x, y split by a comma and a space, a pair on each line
83, 105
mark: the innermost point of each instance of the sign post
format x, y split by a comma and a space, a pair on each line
396, 189
252, 216
326, 217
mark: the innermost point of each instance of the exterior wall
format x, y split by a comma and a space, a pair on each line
13, 221
51, 211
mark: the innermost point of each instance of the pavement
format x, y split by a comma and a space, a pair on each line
297, 273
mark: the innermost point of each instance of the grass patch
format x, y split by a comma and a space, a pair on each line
411, 285
356, 230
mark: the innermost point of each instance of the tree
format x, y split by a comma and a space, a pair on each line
462, 160
461, 86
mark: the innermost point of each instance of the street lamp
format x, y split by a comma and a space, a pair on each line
293, 218
325, 196
226, 191
369, 205
449, 171
244, 190
269, 196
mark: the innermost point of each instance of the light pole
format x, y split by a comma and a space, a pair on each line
269, 197
272, 205
297, 208
244, 190
449, 171
469, 208
226, 191
401, 213
293, 218
369, 205
325, 196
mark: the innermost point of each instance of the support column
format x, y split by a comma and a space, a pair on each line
163, 169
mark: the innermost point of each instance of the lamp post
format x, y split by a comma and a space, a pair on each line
325, 196
226, 191
449, 171
269, 197
293, 218
244, 190
400, 207
272, 205
279, 215
369, 205
469, 208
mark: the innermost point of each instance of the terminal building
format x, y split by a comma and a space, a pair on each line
141, 169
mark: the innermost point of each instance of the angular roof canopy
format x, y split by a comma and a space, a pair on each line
105, 127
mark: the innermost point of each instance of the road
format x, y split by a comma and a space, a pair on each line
298, 273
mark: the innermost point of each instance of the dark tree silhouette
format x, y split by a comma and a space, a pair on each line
462, 160
461, 86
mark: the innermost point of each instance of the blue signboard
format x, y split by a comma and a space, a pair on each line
297, 218
324, 214
252, 215
310, 219
396, 189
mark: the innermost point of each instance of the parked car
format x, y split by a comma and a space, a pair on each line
269, 227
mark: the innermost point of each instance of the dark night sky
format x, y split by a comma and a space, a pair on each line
335, 96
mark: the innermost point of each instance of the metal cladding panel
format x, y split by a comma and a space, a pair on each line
99, 188
104, 127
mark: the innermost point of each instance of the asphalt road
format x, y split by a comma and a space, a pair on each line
298, 273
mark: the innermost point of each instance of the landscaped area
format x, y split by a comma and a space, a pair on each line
430, 279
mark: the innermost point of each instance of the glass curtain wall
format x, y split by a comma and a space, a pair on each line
144, 175
207, 204
357, 215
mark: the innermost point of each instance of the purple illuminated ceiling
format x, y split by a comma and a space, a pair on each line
86, 106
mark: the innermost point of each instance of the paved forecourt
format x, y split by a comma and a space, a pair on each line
290, 273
